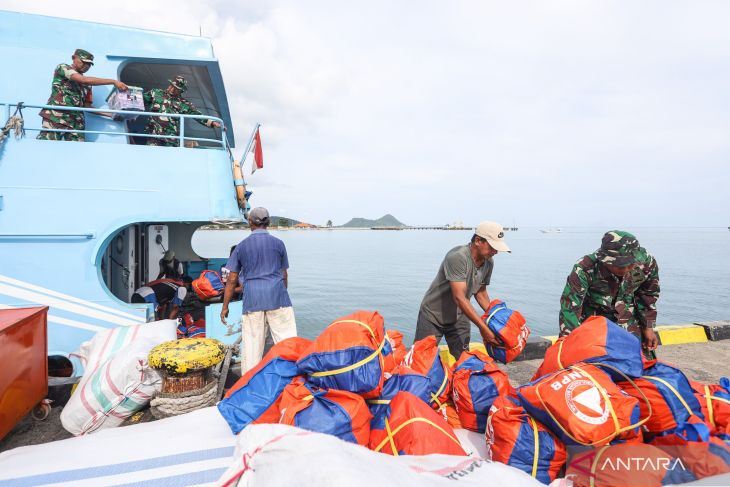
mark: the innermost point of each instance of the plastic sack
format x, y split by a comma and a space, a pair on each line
348, 355
282, 456
477, 382
582, 405
408, 426
208, 285
339, 413
669, 393
595, 340
108, 342
516, 439
424, 358
509, 327
113, 390
255, 396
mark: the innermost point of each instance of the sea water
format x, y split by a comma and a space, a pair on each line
335, 272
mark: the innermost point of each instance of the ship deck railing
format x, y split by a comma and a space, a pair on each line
9, 109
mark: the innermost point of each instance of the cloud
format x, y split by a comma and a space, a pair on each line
564, 112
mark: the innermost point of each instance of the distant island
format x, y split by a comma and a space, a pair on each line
384, 221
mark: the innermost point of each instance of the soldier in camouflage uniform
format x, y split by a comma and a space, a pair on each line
170, 101
619, 281
71, 88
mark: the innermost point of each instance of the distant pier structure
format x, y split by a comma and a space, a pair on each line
443, 227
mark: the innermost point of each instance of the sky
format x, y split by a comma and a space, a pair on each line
530, 113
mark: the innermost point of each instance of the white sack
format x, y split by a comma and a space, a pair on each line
194, 449
106, 343
112, 391
275, 455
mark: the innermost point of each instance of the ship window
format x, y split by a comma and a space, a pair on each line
200, 93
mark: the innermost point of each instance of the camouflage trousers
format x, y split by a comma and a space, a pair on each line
163, 142
71, 136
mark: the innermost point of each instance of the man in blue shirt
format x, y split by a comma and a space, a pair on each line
262, 263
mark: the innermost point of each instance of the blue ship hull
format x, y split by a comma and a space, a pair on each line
79, 222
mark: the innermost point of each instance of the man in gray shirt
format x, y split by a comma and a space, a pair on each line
446, 308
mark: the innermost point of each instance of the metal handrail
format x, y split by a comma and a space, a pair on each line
223, 141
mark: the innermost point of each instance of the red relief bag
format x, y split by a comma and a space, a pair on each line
339, 413
582, 405
424, 358
477, 382
408, 426
208, 285
348, 355
394, 357
515, 438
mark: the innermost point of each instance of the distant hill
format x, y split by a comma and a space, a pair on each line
384, 221
276, 219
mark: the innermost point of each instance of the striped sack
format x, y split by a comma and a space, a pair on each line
424, 358
405, 425
339, 413
510, 329
595, 340
106, 343
348, 355
112, 391
516, 439
255, 397
477, 382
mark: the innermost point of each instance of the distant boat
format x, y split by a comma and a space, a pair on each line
551, 230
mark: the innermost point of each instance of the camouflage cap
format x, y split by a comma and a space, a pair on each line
84, 56
619, 248
179, 82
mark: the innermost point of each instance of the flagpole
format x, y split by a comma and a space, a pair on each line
250, 143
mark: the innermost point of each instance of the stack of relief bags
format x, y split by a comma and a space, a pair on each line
355, 381
593, 389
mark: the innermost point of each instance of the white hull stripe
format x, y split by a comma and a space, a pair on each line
66, 321
34, 297
73, 299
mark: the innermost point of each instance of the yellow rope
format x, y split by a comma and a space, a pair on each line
390, 437
560, 350
537, 446
671, 388
709, 406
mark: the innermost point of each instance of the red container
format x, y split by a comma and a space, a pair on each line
23, 363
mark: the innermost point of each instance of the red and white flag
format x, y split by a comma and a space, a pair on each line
258, 152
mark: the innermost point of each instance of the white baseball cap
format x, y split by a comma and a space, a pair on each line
493, 233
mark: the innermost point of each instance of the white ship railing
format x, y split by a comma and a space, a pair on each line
222, 142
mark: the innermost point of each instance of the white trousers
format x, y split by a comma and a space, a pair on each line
280, 321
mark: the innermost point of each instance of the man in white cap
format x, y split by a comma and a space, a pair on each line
262, 263
446, 308
170, 267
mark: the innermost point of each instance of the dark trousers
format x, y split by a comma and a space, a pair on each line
458, 335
